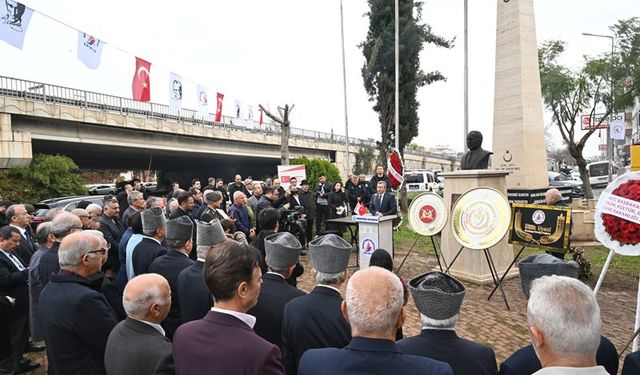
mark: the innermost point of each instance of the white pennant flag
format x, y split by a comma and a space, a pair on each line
203, 101
175, 92
237, 114
89, 50
14, 21
617, 130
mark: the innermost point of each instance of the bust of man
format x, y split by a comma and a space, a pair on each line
476, 157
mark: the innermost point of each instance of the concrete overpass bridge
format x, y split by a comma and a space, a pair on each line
100, 131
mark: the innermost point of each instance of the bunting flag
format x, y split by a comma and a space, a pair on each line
141, 85
237, 112
219, 99
175, 92
14, 21
89, 50
203, 101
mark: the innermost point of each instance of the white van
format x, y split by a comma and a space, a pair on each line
421, 180
599, 173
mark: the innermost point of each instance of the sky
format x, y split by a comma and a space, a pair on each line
289, 51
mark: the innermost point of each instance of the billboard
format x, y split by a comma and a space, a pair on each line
587, 122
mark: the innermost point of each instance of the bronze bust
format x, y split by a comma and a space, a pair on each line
476, 157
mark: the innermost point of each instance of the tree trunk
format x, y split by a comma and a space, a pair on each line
584, 176
284, 145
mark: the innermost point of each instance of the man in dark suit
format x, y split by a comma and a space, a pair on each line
438, 297
14, 276
233, 277
136, 203
321, 192
194, 296
315, 320
283, 251
112, 229
375, 314
525, 361
137, 345
631, 364
383, 203
19, 218
62, 225
75, 316
185, 206
170, 265
154, 228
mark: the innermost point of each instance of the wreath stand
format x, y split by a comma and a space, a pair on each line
497, 282
435, 249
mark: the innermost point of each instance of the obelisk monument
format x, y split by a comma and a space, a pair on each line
518, 129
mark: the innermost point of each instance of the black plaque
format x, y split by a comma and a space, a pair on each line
541, 226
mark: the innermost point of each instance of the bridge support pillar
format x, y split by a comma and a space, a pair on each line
15, 146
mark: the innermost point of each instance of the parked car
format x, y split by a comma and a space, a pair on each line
421, 180
599, 173
557, 179
66, 203
103, 189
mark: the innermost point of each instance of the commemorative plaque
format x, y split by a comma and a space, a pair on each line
427, 214
480, 218
541, 226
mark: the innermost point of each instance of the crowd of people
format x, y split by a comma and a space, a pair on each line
205, 282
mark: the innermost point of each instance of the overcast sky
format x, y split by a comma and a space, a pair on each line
288, 51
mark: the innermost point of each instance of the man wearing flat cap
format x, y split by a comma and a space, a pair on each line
194, 296
438, 298
170, 265
283, 252
315, 320
525, 361
154, 229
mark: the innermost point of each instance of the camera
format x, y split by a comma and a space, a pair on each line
292, 222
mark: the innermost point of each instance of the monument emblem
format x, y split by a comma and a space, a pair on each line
427, 214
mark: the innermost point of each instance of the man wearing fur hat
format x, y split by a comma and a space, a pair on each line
154, 229
283, 252
374, 307
171, 264
194, 297
438, 298
525, 361
315, 320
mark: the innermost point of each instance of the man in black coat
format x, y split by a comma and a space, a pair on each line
155, 231
194, 296
383, 203
379, 176
185, 206
631, 364
14, 276
112, 229
322, 191
170, 265
75, 316
282, 253
315, 320
310, 207
137, 345
19, 218
61, 226
438, 297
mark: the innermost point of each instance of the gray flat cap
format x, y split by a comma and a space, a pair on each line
180, 228
282, 249
538, 265
213, 196
153, 219
210, 233
437, 295
329, 253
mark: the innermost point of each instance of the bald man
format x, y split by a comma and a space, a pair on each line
374, 314
138, 344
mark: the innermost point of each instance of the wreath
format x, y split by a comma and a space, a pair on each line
395, 170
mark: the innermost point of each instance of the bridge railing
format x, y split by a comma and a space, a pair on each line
53, 94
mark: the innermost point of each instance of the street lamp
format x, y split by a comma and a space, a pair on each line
609, 143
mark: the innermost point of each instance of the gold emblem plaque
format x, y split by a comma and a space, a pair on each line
480, 218
427, 214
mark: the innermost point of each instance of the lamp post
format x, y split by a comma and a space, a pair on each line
466, 77
609, 143
344, 86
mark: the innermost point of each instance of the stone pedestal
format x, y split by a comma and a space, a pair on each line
518, 128
472, 265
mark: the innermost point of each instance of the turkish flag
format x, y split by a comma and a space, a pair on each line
360, 209
260, 116
219, 99
141, 85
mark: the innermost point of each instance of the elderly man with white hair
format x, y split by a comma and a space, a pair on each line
75, 317
564, 322
138, 345
62, 225
239, 212
375, 314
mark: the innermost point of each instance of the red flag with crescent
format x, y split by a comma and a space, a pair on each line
219, 99
141, 86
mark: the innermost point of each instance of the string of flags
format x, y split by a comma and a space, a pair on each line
15, 19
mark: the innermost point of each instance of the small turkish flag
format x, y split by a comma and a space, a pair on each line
360, 209
219, 99
141, 86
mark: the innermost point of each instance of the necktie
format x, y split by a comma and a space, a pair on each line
16, 261
379, 201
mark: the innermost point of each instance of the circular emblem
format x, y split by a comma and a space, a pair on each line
507, 157
427, 214
538, 217
480, 218
368, 246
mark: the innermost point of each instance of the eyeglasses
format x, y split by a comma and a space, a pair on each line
99, 251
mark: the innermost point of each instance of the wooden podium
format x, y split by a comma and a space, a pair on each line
373, 233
